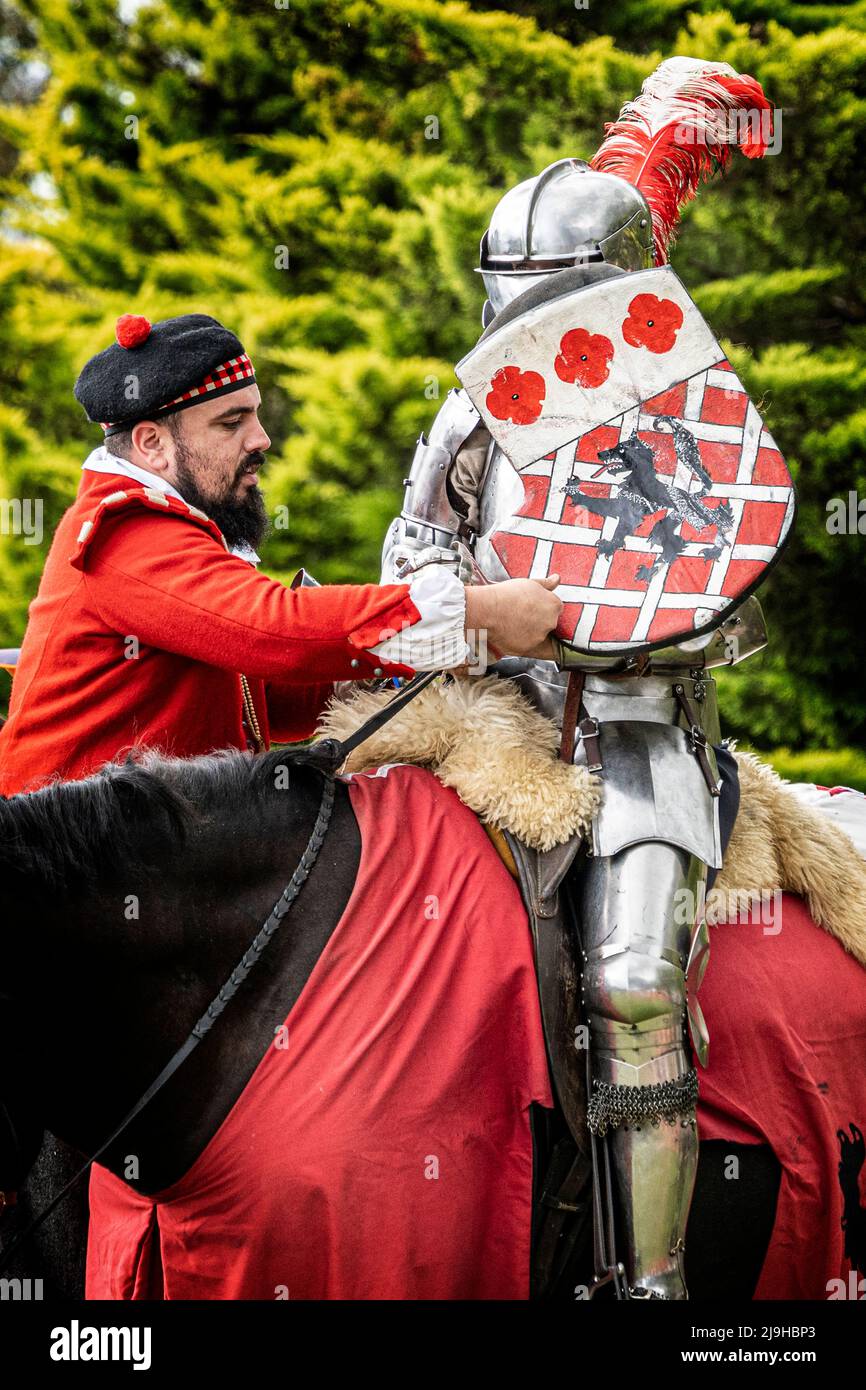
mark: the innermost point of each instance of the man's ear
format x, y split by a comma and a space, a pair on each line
148, 446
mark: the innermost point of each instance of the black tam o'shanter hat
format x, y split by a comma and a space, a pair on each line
157, 369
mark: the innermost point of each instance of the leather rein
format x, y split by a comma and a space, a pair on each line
326, 757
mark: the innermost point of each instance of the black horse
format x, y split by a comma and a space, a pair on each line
127, 900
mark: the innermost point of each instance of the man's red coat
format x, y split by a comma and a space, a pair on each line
143, 625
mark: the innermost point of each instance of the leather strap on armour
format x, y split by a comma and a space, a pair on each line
573, 701
698, 738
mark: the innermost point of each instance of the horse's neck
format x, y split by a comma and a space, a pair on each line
140, 967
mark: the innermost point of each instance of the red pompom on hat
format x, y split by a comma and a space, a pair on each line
131, 330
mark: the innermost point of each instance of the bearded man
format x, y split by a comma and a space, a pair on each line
153, 628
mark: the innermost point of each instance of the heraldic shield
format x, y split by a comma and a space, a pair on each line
650, 483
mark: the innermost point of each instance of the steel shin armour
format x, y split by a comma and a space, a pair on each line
636, 938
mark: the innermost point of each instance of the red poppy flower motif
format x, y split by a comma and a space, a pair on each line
131, 330
652, 323
584, 357
515, 395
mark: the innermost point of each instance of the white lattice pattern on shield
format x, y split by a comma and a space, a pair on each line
608, 604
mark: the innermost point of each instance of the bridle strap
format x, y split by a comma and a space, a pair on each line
375, 722
330, 753
245, 965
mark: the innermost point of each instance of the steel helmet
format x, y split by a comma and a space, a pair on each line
567, 215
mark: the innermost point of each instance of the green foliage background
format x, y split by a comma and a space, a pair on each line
307, 127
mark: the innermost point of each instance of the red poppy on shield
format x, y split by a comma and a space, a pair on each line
652, 323
584, 357
515, 395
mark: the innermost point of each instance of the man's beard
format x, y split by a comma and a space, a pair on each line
242, 518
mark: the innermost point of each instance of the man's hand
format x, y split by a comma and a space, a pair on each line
517, 616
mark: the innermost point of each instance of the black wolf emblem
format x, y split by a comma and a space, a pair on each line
644, 491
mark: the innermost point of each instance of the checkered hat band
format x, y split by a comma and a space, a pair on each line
227, 375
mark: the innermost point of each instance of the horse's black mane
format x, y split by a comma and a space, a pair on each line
71, 832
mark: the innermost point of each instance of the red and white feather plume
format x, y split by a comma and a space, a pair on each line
679, 132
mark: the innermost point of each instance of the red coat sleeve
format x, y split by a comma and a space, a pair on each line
171, 583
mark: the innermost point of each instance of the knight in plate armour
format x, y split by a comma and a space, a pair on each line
642, 708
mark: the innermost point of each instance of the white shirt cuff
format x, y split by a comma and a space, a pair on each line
436, 642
